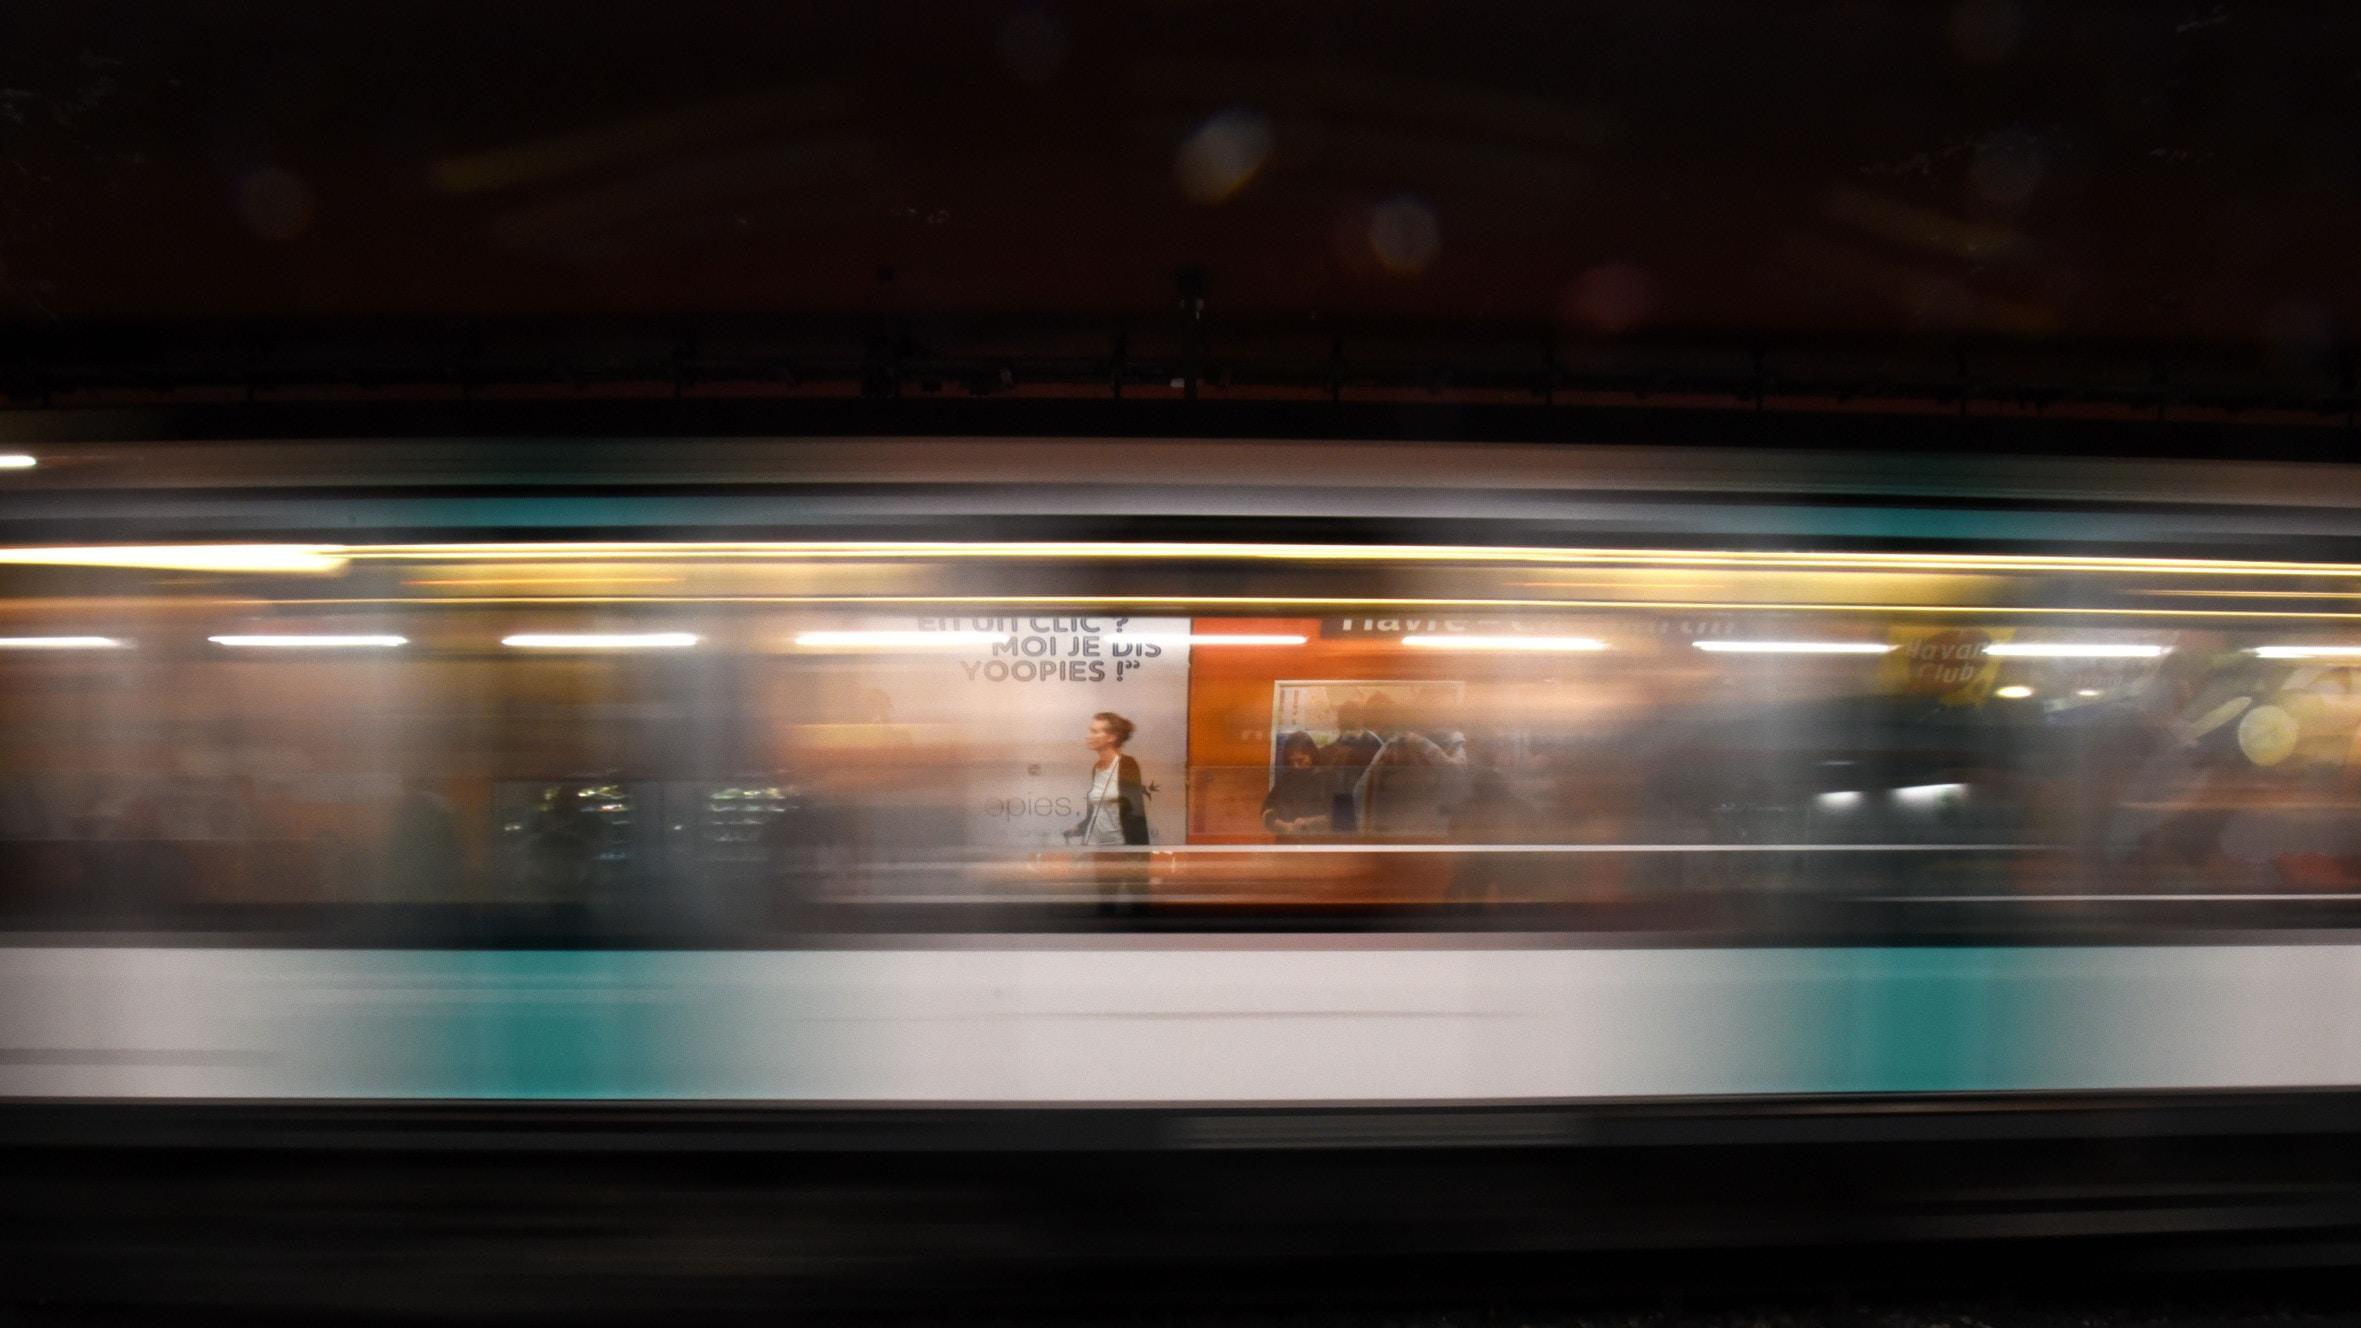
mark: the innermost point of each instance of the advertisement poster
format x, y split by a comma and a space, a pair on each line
1346, 678
1956, 666
1947, 665
1320, 707
1003, 705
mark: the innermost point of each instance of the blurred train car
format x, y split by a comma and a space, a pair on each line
1561, 806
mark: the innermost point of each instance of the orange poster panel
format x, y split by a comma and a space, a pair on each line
1243, 702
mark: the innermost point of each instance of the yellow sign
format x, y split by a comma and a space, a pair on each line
1947, 664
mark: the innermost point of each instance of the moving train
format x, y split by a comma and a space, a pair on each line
1533, 786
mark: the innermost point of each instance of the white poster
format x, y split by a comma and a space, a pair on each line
1011, 699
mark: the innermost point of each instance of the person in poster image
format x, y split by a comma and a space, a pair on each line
1355, 747
1300, 801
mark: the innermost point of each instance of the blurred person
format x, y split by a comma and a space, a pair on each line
23, 814
559, 855
861, 774
1115, 814
423, 857
2179, 778
1491, 815
1301, 800
132, 871
1451, 742
873, 710
1355, 746
809, 847
1411, 785
335, 862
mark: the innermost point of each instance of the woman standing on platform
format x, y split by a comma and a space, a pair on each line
1116, 815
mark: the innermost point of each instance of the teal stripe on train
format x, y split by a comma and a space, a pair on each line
1203, 1022
514, 1024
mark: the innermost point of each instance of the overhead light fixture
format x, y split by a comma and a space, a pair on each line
58, 643
2013, 692
309, 641
1793, 647
2307, 652
600, 640
1839, 800
17, 461
900, 638
2072, 650
187, 557
1534, 643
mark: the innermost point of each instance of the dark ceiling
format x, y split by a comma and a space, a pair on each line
2157, 172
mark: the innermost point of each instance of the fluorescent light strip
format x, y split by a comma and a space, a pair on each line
58, 643
187, 557
1532, 643
600, 640
294, 641
1793, 647
17, 461
911, 639
899, 639
1216, 639
2307, 652
2068, 650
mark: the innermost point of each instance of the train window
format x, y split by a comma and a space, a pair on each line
755, 774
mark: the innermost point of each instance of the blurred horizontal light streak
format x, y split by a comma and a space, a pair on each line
1458, 850
187, 557
2182, 593
1928, 795
1898, 222
2072, 650
2030, 897
654, 137
2013, 692
899, 639
1824, 261
600, 640
1219, 638
1389, 553
1816, 584
1794, 647
58, 643
542, 581
1213, 603
18, 461
2308, 652
310, 641
1568, 644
